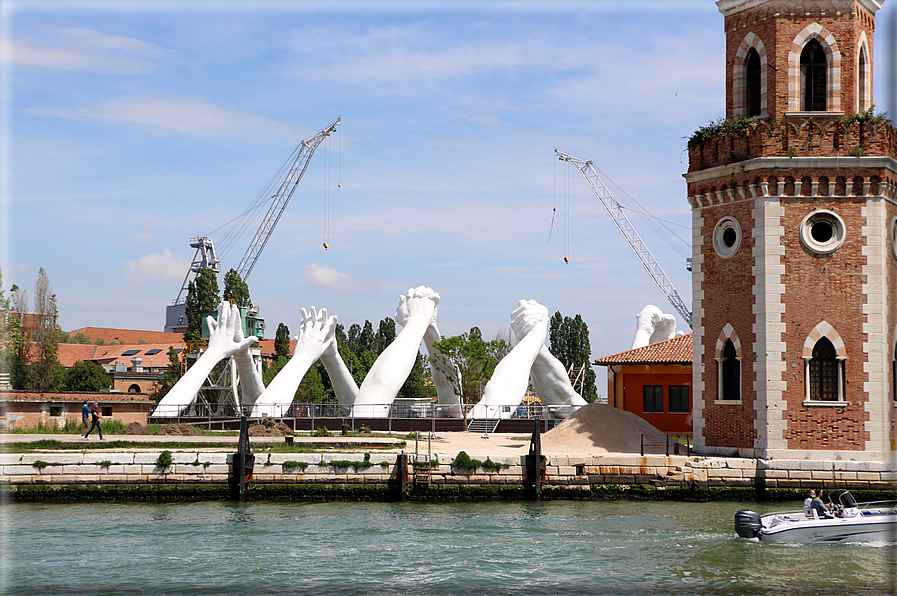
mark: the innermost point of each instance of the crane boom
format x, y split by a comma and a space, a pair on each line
280, 199
623, 224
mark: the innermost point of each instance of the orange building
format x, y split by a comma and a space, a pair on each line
655, 383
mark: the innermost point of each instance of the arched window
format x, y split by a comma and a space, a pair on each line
863, 82
753, 87
731, 373
813, 77
134, 389
824, 372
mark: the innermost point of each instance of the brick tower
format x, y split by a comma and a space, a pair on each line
794, 219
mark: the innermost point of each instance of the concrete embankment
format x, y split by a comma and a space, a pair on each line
198, 472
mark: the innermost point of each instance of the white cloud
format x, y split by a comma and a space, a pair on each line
162, 265
188, 115
326, 277
81, 50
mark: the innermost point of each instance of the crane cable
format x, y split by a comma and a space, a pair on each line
328, 158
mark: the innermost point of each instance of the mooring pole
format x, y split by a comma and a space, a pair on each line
535, 464
243, 463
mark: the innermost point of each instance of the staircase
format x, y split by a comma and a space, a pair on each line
482, 426
422, 469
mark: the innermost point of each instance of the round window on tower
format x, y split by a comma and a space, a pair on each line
727, 237
822, 232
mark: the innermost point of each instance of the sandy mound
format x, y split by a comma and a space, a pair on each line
597, 429
269, 428
180, 430
135, 428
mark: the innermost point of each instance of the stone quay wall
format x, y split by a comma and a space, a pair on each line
207, 467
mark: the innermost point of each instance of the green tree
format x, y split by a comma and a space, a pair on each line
47, 372
569, 342
202, 296
85, 375
236, 290
474, 357
282, 341
172, 375
386, 333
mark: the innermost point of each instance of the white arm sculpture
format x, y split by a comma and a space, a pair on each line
383, 381
447, 399
550, 380
221, 345
508, 383
653, 326
251, 383
316, 338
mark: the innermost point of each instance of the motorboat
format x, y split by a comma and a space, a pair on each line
845, 521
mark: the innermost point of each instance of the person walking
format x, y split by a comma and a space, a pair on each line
96, 419
85, 416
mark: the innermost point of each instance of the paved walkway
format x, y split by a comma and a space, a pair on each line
445, 444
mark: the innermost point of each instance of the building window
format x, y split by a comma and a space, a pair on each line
727, 237
824, 372
731, 373
752, 72
863, 82
106, 411
813, 78
680, 402
55, 411
653, 398
822, 232
134, 389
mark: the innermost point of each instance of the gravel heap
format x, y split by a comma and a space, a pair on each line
180, 430
135, 428
269, 428
598, 429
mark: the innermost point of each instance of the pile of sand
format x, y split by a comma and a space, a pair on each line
135, 428
597, 429
180, 430
269, 428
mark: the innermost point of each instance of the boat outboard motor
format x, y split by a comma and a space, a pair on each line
747, 523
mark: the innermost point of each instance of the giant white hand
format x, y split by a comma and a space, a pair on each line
527, 316
251, 384
316, 333
418, 302
221, 345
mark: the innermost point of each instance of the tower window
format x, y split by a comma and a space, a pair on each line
822, 232
824, 374
731, 373
753, 87
813, 85
727, 237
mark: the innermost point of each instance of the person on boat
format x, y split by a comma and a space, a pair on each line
817, 505
808, 502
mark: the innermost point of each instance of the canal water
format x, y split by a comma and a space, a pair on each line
493, 548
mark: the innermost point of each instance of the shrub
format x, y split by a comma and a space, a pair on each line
292, 465
322, 431
164, 460
105, 463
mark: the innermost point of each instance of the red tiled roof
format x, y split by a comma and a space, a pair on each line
670, 351
70, 353
129, 336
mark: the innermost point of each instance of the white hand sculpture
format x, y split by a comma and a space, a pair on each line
653, 326
315, 333
251, 383
221, 345
446, 375
550, 379
391, 368
507, 386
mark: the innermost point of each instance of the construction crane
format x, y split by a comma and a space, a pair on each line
204, 258
615, 210
282, 197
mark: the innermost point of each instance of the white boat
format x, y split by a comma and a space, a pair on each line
847, 521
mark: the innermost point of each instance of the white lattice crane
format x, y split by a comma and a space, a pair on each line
615, 210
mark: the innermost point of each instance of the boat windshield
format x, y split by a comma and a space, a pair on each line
843, 497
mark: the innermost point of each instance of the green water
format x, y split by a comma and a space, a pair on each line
493, 548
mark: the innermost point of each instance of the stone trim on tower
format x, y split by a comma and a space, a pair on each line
833, 67
769, 308
875, 328
739, 75
697, 320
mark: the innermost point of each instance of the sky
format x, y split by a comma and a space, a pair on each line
130, 127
